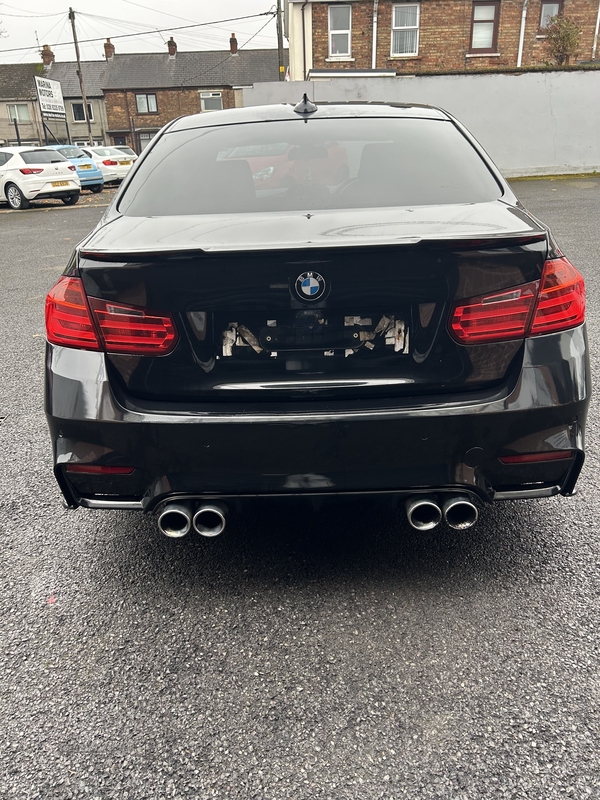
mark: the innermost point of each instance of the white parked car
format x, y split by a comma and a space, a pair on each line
35, 173
113, 163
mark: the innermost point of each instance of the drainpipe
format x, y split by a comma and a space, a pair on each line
522, 33
374, 58
595, 47
304, 40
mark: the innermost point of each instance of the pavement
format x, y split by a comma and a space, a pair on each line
304, 654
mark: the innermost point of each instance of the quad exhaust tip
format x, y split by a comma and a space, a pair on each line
425, 513
460, 513
210, 520
177, 519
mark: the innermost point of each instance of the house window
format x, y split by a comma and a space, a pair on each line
339, 30
211, 101
146, 103
145, 139
78, 115
18, 111
549, 10
405, 29
484, 33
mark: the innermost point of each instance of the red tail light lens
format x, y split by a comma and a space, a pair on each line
89, 323
68, 319
562, 298
128, 329
109, 163
72, 167
555, 303
490, 318
31, 171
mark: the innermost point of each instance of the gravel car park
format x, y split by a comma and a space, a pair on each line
28, 174
411, 330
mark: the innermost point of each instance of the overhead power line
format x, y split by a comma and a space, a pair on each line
152, 30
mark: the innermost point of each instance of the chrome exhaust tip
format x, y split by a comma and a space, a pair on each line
423, 513
210, 520
460, 513
175, 520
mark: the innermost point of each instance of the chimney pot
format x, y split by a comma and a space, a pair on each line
109, 50
233, 46
172, 45
47, 55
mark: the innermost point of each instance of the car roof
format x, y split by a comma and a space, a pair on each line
27, 148
285, 111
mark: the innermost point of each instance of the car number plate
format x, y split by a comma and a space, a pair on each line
85, 166
60, 183
125, 163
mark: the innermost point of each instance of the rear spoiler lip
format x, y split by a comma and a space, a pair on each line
466, 241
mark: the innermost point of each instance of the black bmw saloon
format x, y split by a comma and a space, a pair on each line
300, 300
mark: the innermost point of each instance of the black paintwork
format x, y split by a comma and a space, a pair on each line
443, 426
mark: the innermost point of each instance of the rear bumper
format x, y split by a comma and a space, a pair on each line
45, 189
91, 180
404, 447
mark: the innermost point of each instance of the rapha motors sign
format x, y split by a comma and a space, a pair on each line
50, 97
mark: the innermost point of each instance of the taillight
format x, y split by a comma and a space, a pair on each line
31, 171
490, 318
562, 298
89, 323
109, 163
555, 303
68, 319
129, 329
72, 167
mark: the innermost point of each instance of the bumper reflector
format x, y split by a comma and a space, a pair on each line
99, 469
534, 458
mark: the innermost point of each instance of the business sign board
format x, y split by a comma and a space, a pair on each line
50, 96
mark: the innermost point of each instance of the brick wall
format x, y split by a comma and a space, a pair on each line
121, 107
445, 34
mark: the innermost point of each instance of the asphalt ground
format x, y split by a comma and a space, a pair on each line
332, 653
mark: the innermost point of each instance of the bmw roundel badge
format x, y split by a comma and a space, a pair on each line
310, 286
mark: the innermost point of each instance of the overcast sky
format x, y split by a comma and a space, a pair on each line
24, 20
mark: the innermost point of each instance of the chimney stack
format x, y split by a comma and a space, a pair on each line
47, 55
172, 45
233, 45
109, 50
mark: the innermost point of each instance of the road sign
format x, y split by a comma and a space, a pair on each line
50, 96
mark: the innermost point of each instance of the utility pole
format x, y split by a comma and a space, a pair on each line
80, 74
280, 42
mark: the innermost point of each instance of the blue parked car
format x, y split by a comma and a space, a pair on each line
88, 173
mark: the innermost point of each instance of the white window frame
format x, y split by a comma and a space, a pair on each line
145, 136
416, 27
90, 112
558, 13
146, 95
11, 117
331, 31
209, 95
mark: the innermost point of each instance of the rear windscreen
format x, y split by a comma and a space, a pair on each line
41, 156
320, 164
72, 152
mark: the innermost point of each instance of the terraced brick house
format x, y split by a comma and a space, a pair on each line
130, 96
400, 36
